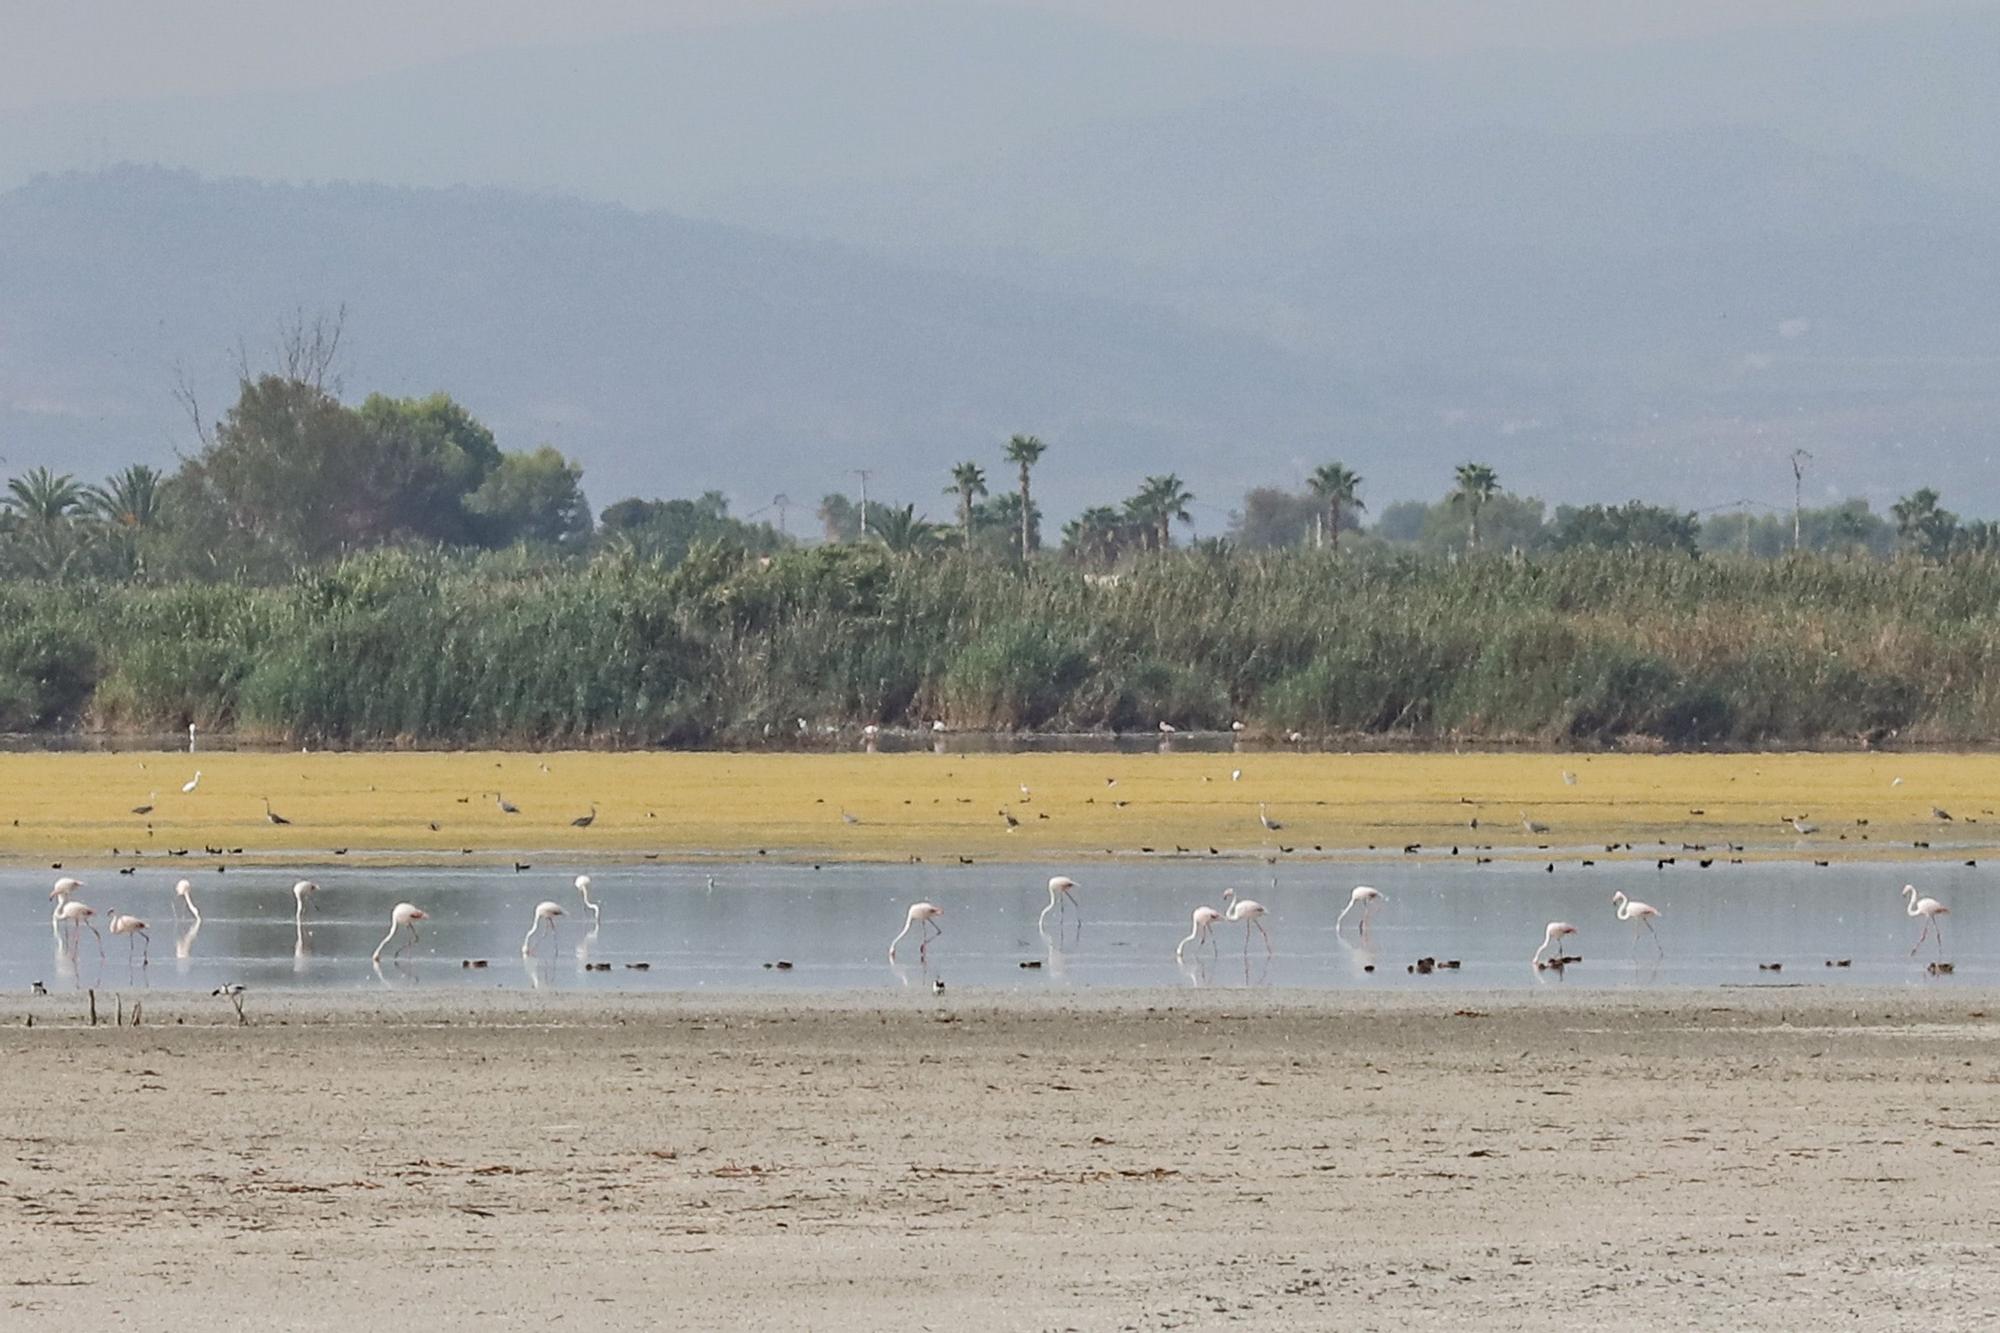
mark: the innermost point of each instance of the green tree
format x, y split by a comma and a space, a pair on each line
1096, 536
968, 483
128, 499
536, 498
1338, 489
41, 496
840, 517
903, 532
1924, 528
1161, 502
1271, 518
1025, 451
1633, 526
667, 530
1507, 522
1477, 485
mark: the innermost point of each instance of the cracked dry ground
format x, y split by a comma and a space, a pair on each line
1695, 1162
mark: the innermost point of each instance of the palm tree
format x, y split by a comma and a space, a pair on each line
44, 496
902, 531
129, 499
1026, 451
1159, 502
968, 483
1095, 534
1477, 483
1336, 487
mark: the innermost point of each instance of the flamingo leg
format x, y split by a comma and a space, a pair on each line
1268, 950
146, 958
100, 941
1657, 946
1921, 938
1940, 936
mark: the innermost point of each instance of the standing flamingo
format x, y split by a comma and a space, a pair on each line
1644, 914
1247, 911
545, 911
302, 893
76, 915
124, 923
1205, 918
405, 916
597, 917
65, 889
924, 915
1550, 937
1060, 887
1930, 909
184, 893
1367, 900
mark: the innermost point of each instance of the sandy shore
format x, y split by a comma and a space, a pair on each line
80, 808
1745, 1159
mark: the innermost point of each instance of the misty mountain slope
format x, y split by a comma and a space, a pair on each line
670, 356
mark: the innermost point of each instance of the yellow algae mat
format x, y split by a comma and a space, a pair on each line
1021, 806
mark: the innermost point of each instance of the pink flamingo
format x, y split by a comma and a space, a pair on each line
302, 894
76, 915
543, 912
1645, 914
1060, 888
1247, 911
1551, 937
123, 923
1205, 918
405, 916
1367, 900
1930, 909
184, 893
65, 889
924, 915
583, 887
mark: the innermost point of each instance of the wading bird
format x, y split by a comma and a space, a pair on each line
922, 916
543, 912
585, 821
123, 923
1801, 827
1264, 817
1367, 900
187, 788
1205, 918
583, 887
1553, 936
405, 917
507, 807
1247, 911
1930, 909
76, 915
184, 893
302, 892
152, 798
1642, 914
272, 815
65, 889
190, 738
1533, 826
1060, 887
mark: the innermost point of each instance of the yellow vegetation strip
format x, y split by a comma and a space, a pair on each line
895, 806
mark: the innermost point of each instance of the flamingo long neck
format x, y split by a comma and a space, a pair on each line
528, 940
393, 927
899, 936
1911, 895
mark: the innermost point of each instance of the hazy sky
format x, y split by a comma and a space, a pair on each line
68, 50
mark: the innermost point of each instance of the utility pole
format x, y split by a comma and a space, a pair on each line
864, 474
1799, 460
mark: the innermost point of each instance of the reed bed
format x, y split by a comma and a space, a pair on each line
1580, 649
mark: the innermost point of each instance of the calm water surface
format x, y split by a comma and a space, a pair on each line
834, 926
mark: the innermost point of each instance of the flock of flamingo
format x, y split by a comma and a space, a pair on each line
71, 913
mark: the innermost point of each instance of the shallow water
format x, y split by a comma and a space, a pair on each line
834, 925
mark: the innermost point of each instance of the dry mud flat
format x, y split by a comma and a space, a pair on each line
1778, 1159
